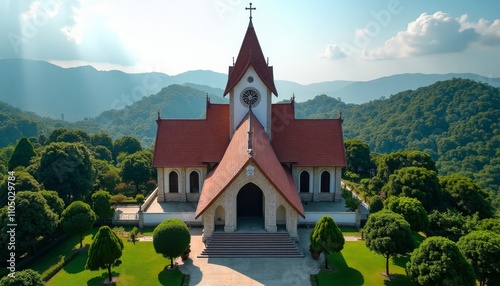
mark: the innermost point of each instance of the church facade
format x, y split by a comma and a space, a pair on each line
249, 158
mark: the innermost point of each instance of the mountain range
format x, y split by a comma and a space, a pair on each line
75, 94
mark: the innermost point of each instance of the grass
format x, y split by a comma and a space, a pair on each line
140, 266
357, 265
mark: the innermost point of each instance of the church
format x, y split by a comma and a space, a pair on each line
249, 158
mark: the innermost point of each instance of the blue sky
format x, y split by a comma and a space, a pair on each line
306, 41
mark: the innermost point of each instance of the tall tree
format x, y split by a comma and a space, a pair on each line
438, 261
389, 234
388, 164
465, 196
101, 205
376, 204
24, 181
78, 218
136, 168
327, 237
102, 139
34, 218
105, 250
450, 224
171, 238
127, 145
415, 182
482, 249
358, 156
67, 169
411, 209
22, 154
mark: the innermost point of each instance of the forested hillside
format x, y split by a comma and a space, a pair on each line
455, 121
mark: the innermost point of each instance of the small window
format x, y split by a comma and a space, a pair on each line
173, 179
325, 182
194, 182
304, 182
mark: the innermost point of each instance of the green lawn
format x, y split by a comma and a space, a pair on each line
357, 265
141, 266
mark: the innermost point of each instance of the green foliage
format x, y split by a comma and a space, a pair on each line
126, 144
411, 209
351, 203
27, 277
450, 224
352, 176
415, 182
490, 224
78, 218
34, 219
22, 154
102, 153
482, 249
139, 198
376, 204
357, 156
136, 168
105, 250
101, 204
389, 234
465, 196
171, 238
390, 163
67, 169
103, 140
105, 175
327, 237
24, 181
55, 203
438, 261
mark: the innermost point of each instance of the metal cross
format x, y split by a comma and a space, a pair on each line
246, 8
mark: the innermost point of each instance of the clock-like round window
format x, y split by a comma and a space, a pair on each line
250, 97
250, 79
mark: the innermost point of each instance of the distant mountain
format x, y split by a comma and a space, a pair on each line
84, 92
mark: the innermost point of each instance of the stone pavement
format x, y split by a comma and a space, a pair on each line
250, 271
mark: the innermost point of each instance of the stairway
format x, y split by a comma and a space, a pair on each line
248, 245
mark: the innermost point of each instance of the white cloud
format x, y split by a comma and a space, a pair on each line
333, 52
437, 33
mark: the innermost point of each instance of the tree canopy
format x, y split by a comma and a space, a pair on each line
22, 154
376, 204
327, 237
127, 145
67, 169
357, 156
438, 261
27, 277
482, 249
78, 218
171, 238
136, 168
389, 234
101, 205
105, 250
411, 209
465, 196
415, 182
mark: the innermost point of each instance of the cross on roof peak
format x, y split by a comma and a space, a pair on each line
246, 8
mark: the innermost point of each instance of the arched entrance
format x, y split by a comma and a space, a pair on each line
249, 201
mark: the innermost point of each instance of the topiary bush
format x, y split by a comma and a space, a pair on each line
171, 238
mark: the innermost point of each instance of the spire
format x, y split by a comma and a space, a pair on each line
250, 55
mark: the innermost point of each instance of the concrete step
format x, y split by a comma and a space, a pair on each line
251, 245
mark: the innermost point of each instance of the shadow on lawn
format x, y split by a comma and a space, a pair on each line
398, 280
99, 280
342, 273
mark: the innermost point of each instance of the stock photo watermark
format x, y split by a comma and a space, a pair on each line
11, 224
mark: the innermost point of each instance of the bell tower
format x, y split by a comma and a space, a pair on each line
250, 83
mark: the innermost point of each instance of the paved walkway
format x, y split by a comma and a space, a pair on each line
250, 271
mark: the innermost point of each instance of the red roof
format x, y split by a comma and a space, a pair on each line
306, 142
192, 142
250, 55
237, 157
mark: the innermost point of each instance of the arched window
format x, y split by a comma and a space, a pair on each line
173, 179
325, 182
194, 182
304, 182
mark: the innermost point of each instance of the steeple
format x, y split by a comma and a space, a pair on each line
250, 55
